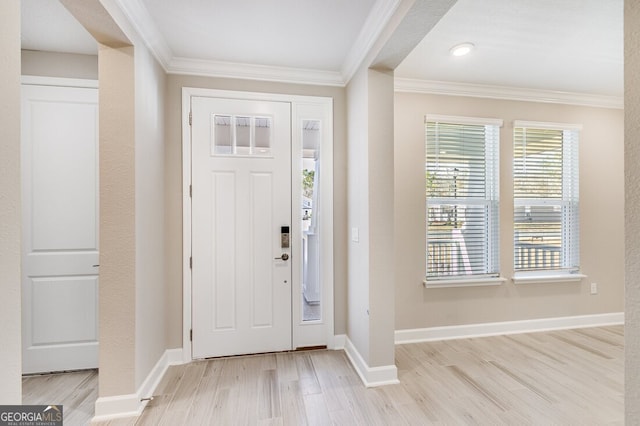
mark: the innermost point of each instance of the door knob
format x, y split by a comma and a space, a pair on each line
284, 256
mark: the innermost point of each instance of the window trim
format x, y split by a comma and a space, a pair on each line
465, 282
547, 275
470, 280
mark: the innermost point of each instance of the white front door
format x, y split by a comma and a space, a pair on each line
60, 228
241, 207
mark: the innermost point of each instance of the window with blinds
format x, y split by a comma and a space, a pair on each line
546, 208
462, 197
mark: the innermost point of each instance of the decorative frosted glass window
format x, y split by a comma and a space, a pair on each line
241, 135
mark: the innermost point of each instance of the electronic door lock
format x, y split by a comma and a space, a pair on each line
284, 237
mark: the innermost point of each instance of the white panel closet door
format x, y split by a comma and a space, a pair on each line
60, 228
241, 178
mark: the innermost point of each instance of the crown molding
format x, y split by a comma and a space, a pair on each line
208, 68
375, 23
408, 85
140, 19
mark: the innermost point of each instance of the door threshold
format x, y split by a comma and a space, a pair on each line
300, 349
310, 348
51, 373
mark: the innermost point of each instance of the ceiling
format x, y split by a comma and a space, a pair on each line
547, 45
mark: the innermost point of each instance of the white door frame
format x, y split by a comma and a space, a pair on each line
301, 108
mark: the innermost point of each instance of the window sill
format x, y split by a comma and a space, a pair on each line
477, 282
544, 279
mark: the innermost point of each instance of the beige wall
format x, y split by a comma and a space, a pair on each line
173, 183
132, 284
381, 213
632, 207
150, 81
55, 64
10, 206
601, 218
117, 221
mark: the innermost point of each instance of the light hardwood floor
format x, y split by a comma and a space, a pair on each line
76, 391
559, 377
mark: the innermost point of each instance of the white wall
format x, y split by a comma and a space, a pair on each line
358, 328
10, 211
632, 207
370, 210
601, 218
150, 230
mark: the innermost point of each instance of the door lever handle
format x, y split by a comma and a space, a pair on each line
284, 256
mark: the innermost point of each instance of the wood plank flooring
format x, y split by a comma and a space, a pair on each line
76, 391
559, 377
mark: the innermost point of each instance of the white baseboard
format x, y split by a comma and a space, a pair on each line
370, 376
507, 327
131, 405
338, 342
115, 407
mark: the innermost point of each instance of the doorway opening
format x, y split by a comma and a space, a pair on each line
310, 255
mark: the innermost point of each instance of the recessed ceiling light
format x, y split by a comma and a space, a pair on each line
461, 49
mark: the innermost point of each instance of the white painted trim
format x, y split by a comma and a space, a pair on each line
210, 68
186, 225
169, 357
339, 341
375, 23
478, 282
142, 22
507, 93
327, 227
115, 407
454, 119
546, 125
37, 80
131, 405
314, 333
548, 279
507, 327
370, 376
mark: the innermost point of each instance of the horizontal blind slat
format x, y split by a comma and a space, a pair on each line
545, 178
461, 166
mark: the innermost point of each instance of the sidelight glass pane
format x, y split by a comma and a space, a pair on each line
311, 284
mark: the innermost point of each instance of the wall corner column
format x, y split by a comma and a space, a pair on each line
117, 316
10, 205
632, 206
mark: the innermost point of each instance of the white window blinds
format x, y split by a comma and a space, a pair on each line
546, 208
462, 197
